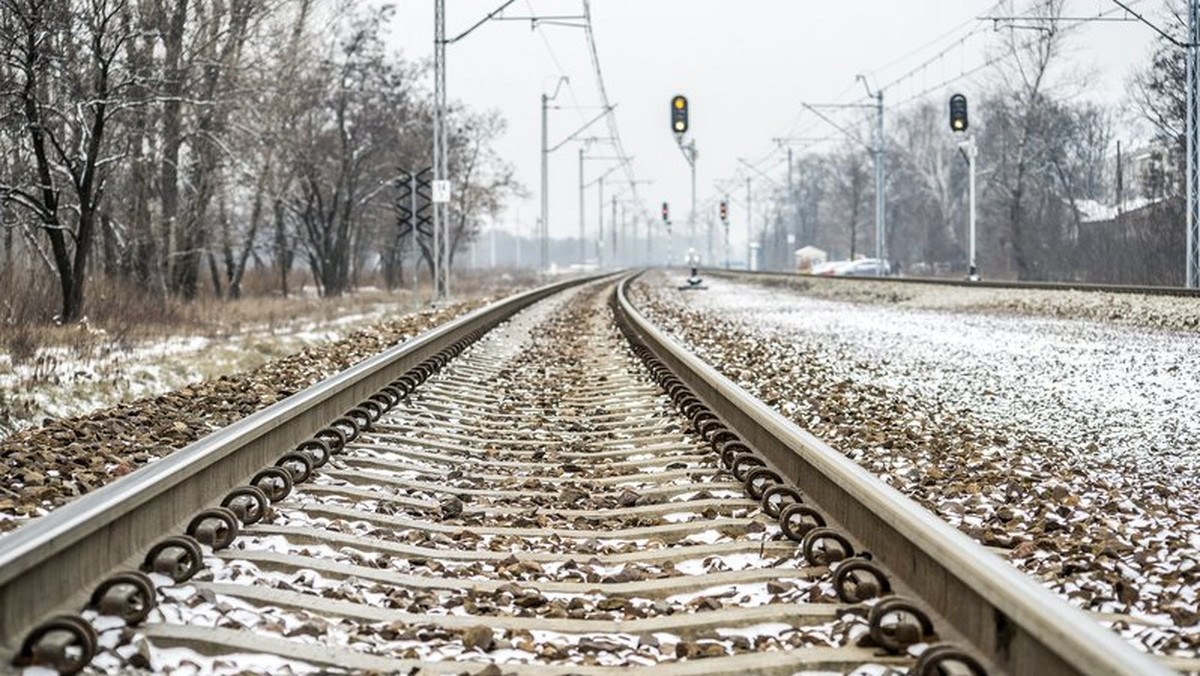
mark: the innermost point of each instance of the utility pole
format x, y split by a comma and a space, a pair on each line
600, 223
749, 230
650, 240
583, 184
440, 289
613, 227
544, 244
582, 232
690, 154
880, 176
972, 151
544, 227
793, 211
692, 213
960, 122
1192, 270
442, 246
877, 148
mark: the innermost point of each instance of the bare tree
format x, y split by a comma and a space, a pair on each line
849, 184
343, 166
67, 84
484, 180
1019, 109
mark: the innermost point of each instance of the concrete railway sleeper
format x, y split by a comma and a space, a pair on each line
563, 492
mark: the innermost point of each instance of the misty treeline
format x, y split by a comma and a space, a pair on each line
1045, 155
171, 146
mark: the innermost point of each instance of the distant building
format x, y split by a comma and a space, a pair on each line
1148, 173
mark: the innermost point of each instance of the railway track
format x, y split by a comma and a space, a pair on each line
564, 492
983, 284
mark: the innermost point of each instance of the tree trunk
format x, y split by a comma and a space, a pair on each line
172, 136
283, 252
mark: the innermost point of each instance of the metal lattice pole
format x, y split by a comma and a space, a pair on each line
544, 232
600, 223
880, 182
692, 214
1192, 272
582, 216
440, 235
750, 264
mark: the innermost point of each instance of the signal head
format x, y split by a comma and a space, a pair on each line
679, 114
958, 113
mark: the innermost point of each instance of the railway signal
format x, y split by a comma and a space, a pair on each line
679, 114
666, 211
959, 123
724, 211
958, 113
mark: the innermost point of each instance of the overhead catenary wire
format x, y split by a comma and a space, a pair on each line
958, 43
614, 130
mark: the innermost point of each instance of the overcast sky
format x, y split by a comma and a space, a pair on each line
746, 66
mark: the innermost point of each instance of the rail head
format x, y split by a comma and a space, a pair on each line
1083, 287
54, 561
1018, 625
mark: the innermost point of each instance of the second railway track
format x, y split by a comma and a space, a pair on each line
570, 494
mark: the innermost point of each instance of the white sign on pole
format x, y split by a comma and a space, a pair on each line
441, 191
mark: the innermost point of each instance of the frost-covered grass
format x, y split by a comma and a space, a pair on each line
50, 371
62, 381
141, 349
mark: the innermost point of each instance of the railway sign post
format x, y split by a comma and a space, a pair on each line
414, 204
441, 192
959, 124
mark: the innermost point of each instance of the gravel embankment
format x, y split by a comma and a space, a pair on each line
1163, 312
1069, 443
42, 469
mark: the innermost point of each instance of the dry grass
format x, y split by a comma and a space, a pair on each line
120, 314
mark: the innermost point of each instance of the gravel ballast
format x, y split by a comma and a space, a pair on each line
42, 469
1038, 424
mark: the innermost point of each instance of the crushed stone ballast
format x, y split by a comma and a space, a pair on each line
545, 486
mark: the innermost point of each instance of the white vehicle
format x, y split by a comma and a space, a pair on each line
866, 267
863, 267
830, 268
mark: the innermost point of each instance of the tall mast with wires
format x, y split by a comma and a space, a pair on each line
1192, 269
441, 259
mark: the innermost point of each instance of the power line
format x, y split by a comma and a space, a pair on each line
612, 118
557, 63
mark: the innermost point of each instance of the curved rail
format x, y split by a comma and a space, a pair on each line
1034, 286
54, 561
1016, 624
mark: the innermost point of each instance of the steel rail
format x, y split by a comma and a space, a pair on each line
56, 560
938, 281
1019, 626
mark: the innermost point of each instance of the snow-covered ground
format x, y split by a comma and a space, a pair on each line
1070, 443
58, 383
1118, 392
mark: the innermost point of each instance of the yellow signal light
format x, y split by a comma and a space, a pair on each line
679, 114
